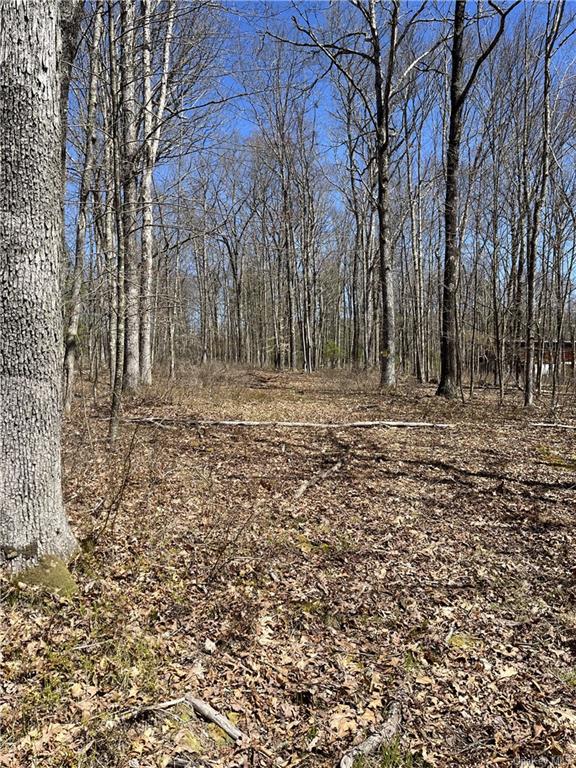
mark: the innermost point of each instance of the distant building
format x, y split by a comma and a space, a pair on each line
545, 353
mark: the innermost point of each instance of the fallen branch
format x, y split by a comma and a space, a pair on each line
210, 714
201, 708
292, 424
182, 762
567, 485
316, 479
551, 425
136, 712
373, 743
198, 705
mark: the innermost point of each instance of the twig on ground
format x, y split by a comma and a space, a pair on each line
373, 743
317, 478
182, 762
551, 425
161, 705
213, 716
199, 706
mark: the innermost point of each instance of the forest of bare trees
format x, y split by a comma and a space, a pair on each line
287, 383
353, 185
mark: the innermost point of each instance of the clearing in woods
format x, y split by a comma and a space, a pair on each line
301, 581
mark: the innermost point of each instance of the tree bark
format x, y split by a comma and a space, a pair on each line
117, 215
449, 374
382, 89
448, 363
32, 519
129, 184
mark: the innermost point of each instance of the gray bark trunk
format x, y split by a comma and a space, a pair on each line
382, 86
32, 519
118, 219
448, 386
551, 37
129, 183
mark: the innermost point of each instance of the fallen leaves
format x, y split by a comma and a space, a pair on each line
507, 672
401, 576
343, 721
423, 680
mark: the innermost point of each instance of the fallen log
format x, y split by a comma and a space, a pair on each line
375, 742
289, 424
551, 425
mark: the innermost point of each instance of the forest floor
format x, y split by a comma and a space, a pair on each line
431, 568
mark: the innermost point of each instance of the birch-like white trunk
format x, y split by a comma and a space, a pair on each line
152, 127
32, 519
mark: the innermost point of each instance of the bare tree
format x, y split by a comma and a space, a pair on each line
322, 232
459, 90
152, 123
553, 21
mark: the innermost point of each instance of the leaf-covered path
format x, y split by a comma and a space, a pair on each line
436, 569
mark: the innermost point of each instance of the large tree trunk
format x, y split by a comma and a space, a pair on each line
448, 358
32, 519
382, 89
130, 188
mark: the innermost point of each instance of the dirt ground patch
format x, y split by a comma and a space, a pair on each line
433, 568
